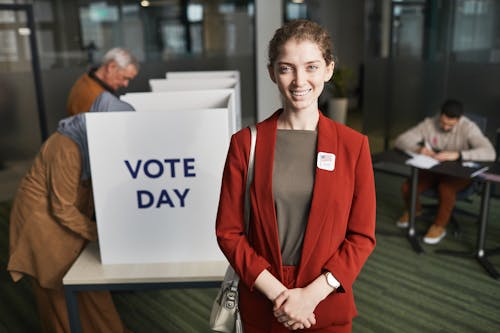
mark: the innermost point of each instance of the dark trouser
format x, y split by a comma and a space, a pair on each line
97, 311
447, 188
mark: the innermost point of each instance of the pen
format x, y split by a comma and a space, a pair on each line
428, 145
478, 172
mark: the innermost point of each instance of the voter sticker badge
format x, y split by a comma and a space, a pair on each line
326, 161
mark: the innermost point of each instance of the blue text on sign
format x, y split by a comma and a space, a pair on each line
154, 168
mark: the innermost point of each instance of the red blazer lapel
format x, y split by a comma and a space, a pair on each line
322, 194
263, 188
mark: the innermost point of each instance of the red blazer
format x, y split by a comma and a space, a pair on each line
340, 233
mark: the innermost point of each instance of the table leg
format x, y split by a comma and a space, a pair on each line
481, 237
73, 313
489, 267
480, 253
412, 235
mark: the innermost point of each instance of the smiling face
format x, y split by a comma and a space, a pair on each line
300, 71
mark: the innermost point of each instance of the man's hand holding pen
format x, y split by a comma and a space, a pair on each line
427, 150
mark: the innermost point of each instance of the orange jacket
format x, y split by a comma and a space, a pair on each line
83, 94
340, 233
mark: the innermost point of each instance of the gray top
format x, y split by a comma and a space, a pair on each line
465, 137
293, 183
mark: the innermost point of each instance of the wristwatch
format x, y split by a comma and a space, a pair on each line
331, 280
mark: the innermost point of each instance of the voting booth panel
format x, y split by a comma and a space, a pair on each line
181, 100
185, 100
201, 83
202, 74
156, 179
191, 84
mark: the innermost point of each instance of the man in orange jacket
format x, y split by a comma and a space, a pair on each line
118, 67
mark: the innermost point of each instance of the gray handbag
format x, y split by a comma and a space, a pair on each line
225, 315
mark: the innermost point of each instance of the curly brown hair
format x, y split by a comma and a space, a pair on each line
301, 30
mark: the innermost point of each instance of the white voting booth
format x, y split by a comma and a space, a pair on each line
203, 74
179, 84
193, 81
156, 179
186, 100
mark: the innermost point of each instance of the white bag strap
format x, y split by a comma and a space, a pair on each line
230, 273
253, 140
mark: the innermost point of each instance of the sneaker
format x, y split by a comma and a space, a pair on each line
403, 221
434, 235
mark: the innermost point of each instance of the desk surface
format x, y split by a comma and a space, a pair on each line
88, 269
452, 168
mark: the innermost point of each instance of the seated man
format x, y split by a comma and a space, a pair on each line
448, 136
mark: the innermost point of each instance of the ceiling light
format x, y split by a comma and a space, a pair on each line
24, 31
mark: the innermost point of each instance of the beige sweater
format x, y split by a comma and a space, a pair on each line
465, 137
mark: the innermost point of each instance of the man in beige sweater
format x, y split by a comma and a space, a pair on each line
448, 136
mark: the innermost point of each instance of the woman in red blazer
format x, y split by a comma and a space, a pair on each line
312, 223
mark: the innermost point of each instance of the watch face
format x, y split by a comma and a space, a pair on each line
330, 280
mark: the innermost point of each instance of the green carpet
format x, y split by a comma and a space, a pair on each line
397, 290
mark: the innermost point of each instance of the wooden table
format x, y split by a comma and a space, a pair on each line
87, 273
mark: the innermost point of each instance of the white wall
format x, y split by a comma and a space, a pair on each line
268, 18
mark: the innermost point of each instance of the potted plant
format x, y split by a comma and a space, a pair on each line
338, 90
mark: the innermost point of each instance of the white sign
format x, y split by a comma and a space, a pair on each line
156, 179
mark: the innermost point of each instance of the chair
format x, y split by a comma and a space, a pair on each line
466, 194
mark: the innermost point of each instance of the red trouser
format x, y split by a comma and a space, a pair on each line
447, 188
289, 275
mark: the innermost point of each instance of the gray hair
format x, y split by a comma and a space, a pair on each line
121, 57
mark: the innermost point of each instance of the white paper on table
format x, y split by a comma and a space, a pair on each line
422, 161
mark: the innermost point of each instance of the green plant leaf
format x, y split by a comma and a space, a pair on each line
339, 83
